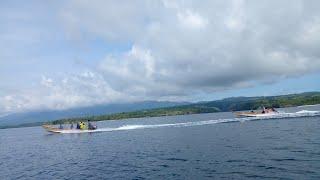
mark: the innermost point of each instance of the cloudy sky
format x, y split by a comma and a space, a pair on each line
63, 54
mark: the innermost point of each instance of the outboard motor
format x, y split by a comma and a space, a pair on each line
91, 127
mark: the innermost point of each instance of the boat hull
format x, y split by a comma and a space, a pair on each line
251, 114
66, 131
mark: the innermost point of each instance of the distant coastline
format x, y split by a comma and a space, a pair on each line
224, 105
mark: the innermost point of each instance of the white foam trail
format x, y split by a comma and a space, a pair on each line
306, 111
313, 105
303, 113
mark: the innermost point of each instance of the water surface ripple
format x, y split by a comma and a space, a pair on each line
182, 147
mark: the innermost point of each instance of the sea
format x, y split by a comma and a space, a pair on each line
201, 146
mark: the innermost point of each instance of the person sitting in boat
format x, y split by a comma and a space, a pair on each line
91, 126
82, 125
273, 110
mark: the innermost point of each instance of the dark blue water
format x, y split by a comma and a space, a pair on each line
287, 148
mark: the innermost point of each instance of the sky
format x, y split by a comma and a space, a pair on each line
61, 54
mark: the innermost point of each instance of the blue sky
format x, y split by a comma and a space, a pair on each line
65, 54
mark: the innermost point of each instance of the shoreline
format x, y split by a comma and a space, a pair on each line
37, 124
308, 99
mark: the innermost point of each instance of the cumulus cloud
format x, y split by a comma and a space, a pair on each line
75, 90
191, 20
207, 45
179, 48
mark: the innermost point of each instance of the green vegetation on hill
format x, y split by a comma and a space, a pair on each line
228, 104
169, 111
252, 103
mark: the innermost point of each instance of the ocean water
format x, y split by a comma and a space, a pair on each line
204, 146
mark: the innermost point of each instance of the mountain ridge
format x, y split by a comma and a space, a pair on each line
152, 109
48, 115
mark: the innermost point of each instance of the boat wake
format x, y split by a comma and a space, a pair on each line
303, 113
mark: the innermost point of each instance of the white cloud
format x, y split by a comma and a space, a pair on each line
191, 19
260, 44
47, 82
236, 20
85, 89
180, 48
